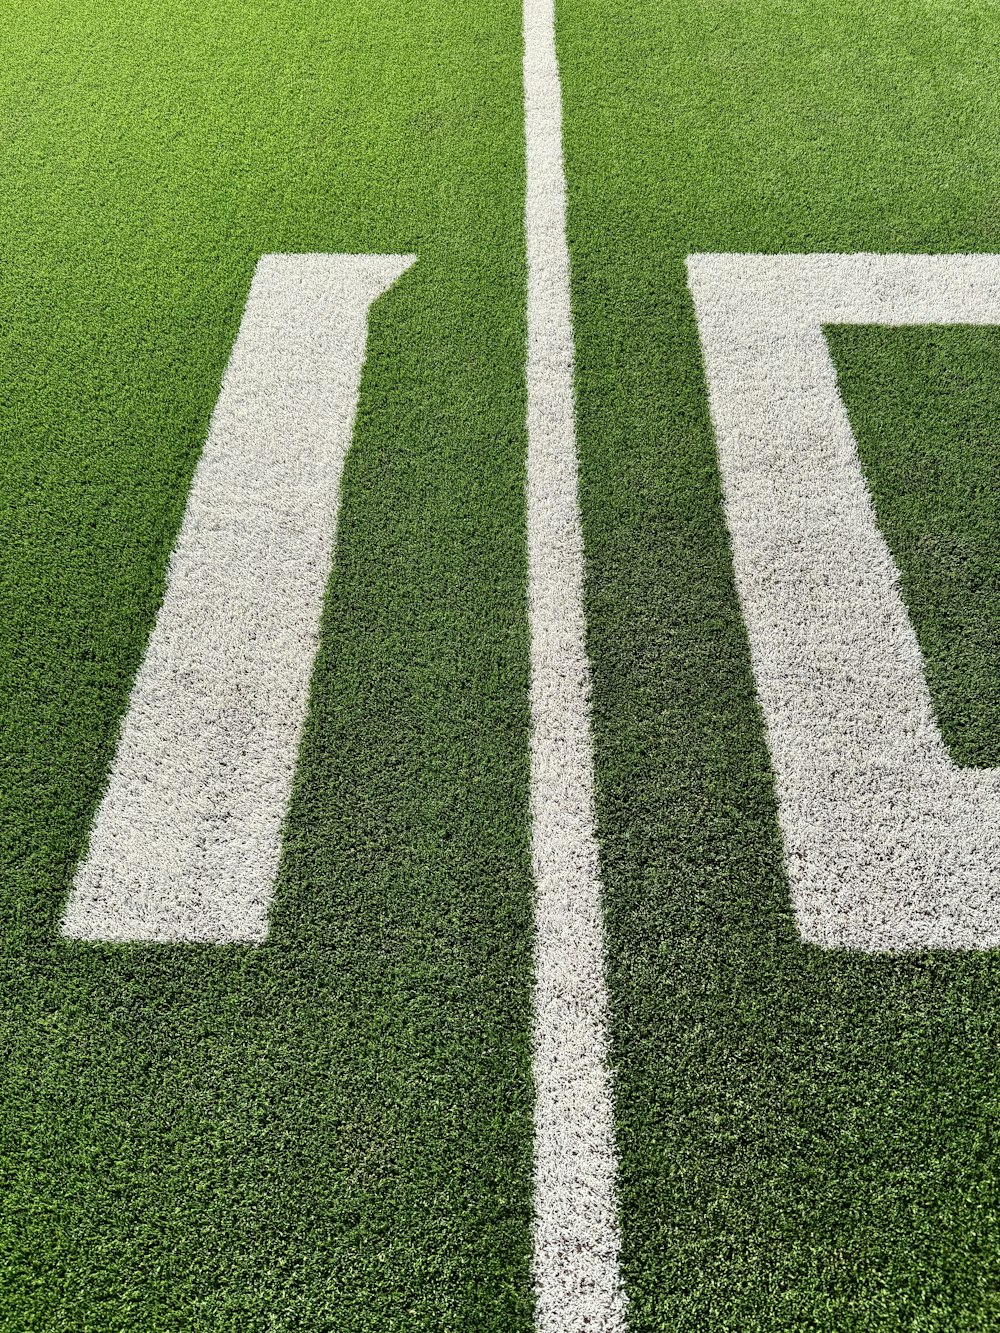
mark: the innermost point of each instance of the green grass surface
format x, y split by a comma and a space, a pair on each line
333, 1131
924, 405
808, 1139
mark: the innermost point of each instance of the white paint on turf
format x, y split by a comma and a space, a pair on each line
186, 841
577, 1282
888, 844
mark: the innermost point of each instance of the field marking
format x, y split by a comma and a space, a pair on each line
576, 1240
889, 845
186, 841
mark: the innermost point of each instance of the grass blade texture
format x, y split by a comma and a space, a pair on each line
807, 1137
333, 1130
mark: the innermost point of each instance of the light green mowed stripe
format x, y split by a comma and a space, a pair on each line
332, 1131
807, 1139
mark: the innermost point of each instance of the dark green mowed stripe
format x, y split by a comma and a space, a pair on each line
808, 1140
331, 1131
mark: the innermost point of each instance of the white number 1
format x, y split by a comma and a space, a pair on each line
186, 841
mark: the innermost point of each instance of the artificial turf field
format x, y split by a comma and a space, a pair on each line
332, 1130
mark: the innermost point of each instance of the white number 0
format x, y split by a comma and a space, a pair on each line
889, 845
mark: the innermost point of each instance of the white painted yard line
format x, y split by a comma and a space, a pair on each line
576, 1241
186, 841
889, 845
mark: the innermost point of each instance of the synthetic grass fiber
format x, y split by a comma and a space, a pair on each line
333, 1129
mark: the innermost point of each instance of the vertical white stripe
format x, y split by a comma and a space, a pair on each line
577, 1282
186, 841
